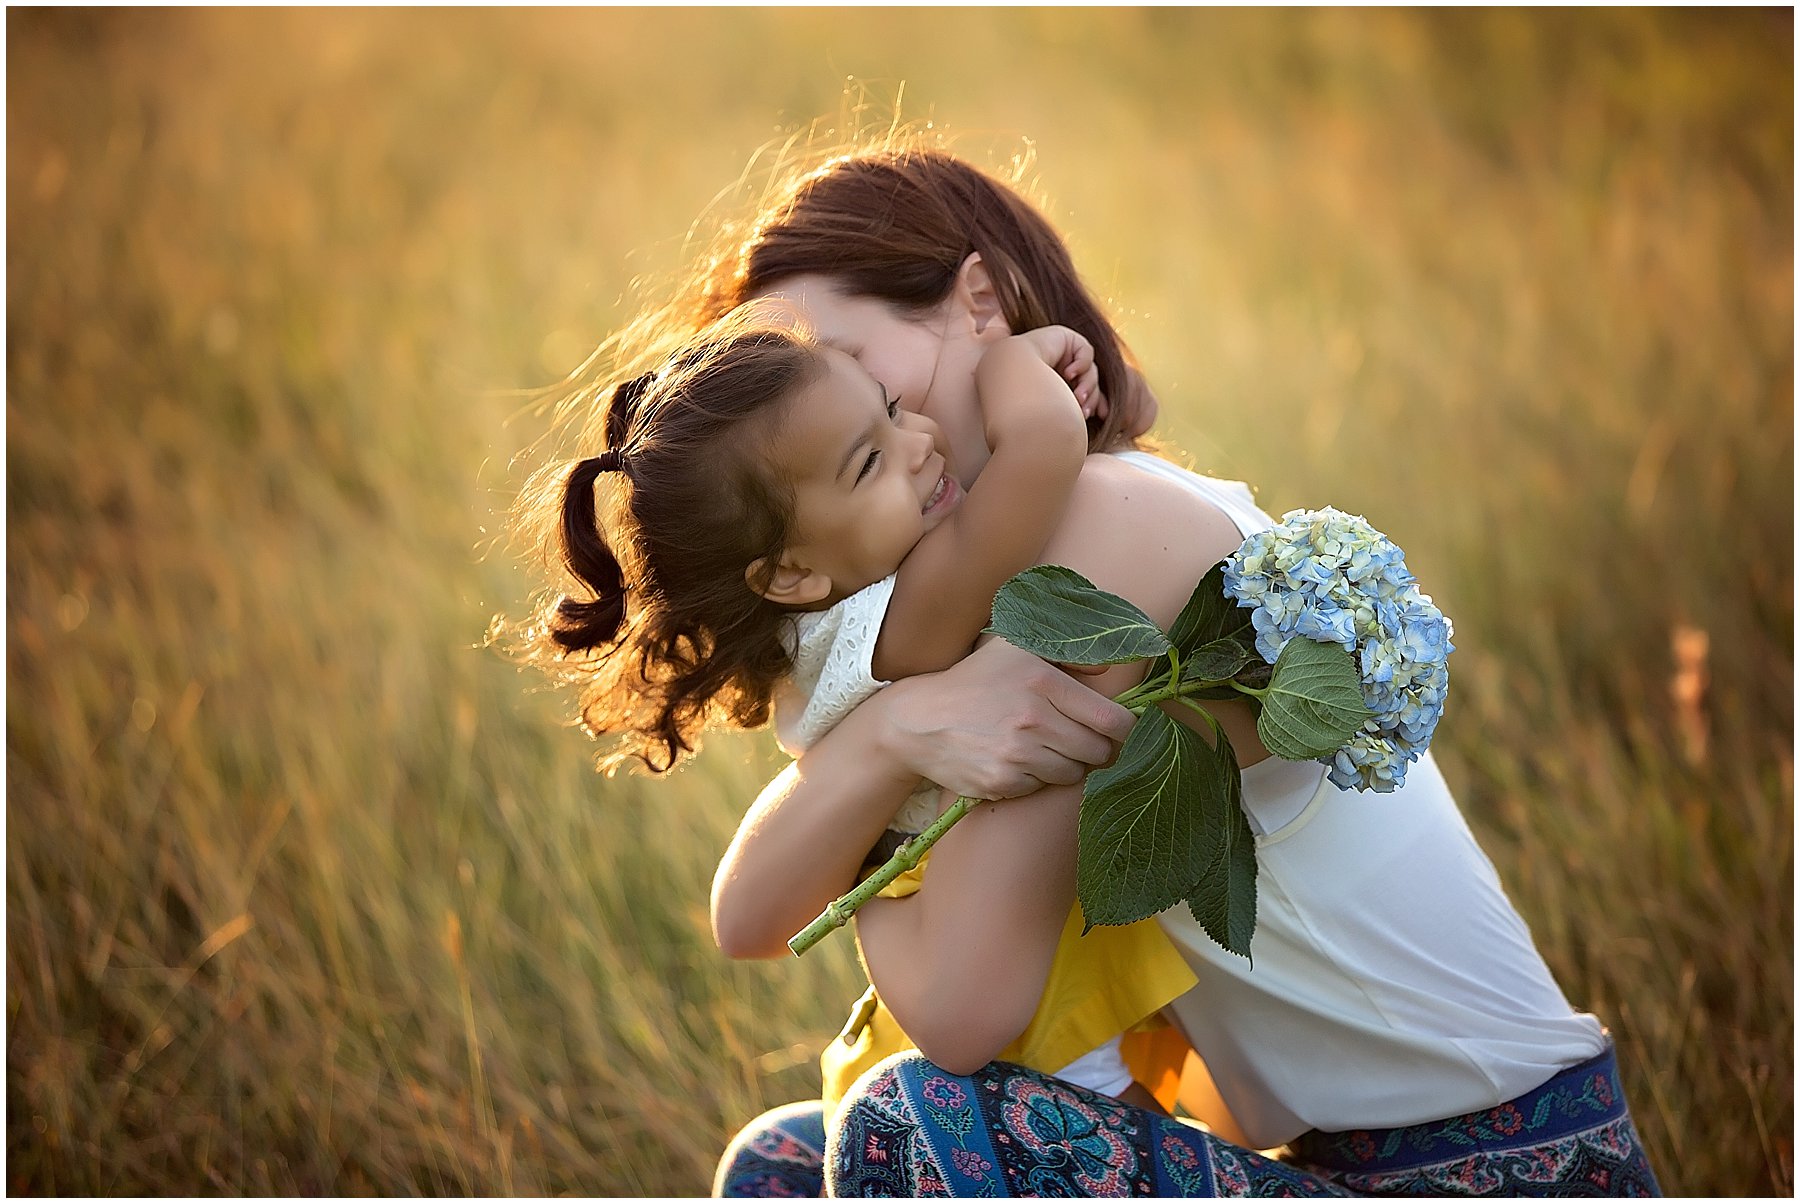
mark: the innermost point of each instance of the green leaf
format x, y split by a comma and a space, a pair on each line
1224, 898
1256, 674
1209, 616
1216, 661
1143, 835
1314, 702
1058, 614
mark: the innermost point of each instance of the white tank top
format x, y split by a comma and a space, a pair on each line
1391, 981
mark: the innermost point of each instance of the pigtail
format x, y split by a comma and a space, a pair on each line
578, 626
623, 408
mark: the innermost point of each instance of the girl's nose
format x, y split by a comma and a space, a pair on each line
917, 424
923, 444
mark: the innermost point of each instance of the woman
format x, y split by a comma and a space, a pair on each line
1398, 1032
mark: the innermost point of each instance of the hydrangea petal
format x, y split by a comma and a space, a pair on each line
1330, 576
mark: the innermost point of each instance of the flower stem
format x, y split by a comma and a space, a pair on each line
1153, 689
1212, 721
839, 911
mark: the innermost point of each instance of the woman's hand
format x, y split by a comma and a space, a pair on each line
997, 725
1001, 723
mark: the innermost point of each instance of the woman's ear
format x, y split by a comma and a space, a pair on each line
791, 583
974, 292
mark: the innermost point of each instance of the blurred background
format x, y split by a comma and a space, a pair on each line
308, 892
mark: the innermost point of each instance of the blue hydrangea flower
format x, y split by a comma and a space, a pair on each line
1329, 576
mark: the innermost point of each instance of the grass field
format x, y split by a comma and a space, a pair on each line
308, 892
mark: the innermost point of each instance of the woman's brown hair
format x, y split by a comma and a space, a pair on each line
896, 224
664, 635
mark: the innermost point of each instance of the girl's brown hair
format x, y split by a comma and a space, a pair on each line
665, 635
893, 219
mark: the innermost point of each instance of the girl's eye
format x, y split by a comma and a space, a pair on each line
868, 466
893, 404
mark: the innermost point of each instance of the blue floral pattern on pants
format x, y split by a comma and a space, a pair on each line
910, 1129
1573, 1136
779, 1155
1006, 1132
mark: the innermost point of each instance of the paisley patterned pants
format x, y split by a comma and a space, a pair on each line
912, 1130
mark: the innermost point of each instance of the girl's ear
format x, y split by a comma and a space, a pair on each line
791, 584
974, 291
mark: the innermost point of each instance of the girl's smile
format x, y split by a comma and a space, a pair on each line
944, 497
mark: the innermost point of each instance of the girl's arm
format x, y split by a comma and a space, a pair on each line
945, 587
999, 724
962, 963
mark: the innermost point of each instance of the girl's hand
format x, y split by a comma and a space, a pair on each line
1001, 723
1140, 405
1072, 356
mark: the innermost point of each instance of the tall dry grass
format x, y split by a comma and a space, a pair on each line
308, 893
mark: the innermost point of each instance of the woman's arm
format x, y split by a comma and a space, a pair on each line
962, 963
1001, 723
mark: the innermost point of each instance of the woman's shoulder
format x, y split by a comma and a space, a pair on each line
1134, 485
1232, 497
1141, 534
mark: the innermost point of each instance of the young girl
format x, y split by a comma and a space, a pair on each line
777, 526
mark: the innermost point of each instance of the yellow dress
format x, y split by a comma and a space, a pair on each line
1114, 980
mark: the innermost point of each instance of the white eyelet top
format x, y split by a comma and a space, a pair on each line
834, 670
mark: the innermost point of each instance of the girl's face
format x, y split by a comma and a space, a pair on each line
868, 478
926, 363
